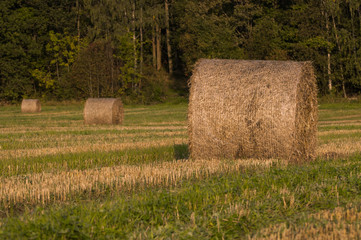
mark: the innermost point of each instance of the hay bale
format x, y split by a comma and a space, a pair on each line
253, 109
30, 106
103, 111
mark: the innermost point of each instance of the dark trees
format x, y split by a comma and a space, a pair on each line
132, 48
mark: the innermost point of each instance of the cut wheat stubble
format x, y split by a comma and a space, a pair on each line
48, 187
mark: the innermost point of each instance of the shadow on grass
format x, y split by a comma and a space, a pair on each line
181, 151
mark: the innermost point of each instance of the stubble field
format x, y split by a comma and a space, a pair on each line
61, 179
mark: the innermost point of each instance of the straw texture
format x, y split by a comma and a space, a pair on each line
253, 109
103, 111
30, 106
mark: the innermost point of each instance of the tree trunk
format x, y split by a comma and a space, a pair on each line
141, 40
328, 56
57, 71
154, 48
329, 71
90, 84
134, 43
353, 33
78, 21
110, 56
159, 49
341, 65
98, 82
169, 49
141, 47
344, 89
359, 17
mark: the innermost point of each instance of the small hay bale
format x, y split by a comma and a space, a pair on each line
103, 111
30, 106
252, 109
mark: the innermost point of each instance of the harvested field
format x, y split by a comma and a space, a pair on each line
342, 147
55, 170
340, 223
161, 126
340, 122
339, 132
48, 187
8, 154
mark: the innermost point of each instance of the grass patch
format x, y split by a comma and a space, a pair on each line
332, 137
181, 151
224, 206
85, 160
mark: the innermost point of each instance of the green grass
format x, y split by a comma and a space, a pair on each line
339, 127
331, 137
11, 116
87, 160
340, 106
70, 117
14, 143
224, 206
329, 111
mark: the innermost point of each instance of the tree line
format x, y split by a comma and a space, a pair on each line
144, 50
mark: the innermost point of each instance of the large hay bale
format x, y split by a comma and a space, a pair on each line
253, 109
30, 106
103, 111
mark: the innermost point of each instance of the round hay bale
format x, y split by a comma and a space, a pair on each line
103, 111
252, 109
30, 106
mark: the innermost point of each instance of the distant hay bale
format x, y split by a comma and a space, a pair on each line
30, 106
103, 111
253, 109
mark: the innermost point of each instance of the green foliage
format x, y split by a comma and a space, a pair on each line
18, 49
63, 48
95, 71
318, 42
205, 31
265, 41
155, 87
44, 80
129, 76
48, 35
227, 205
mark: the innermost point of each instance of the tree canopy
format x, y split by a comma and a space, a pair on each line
139, 49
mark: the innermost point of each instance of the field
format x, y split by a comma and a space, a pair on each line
61, 179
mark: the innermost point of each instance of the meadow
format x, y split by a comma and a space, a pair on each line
61, 179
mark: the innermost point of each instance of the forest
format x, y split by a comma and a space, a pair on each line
144, 50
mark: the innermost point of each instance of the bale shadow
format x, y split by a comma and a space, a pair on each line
181, 151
